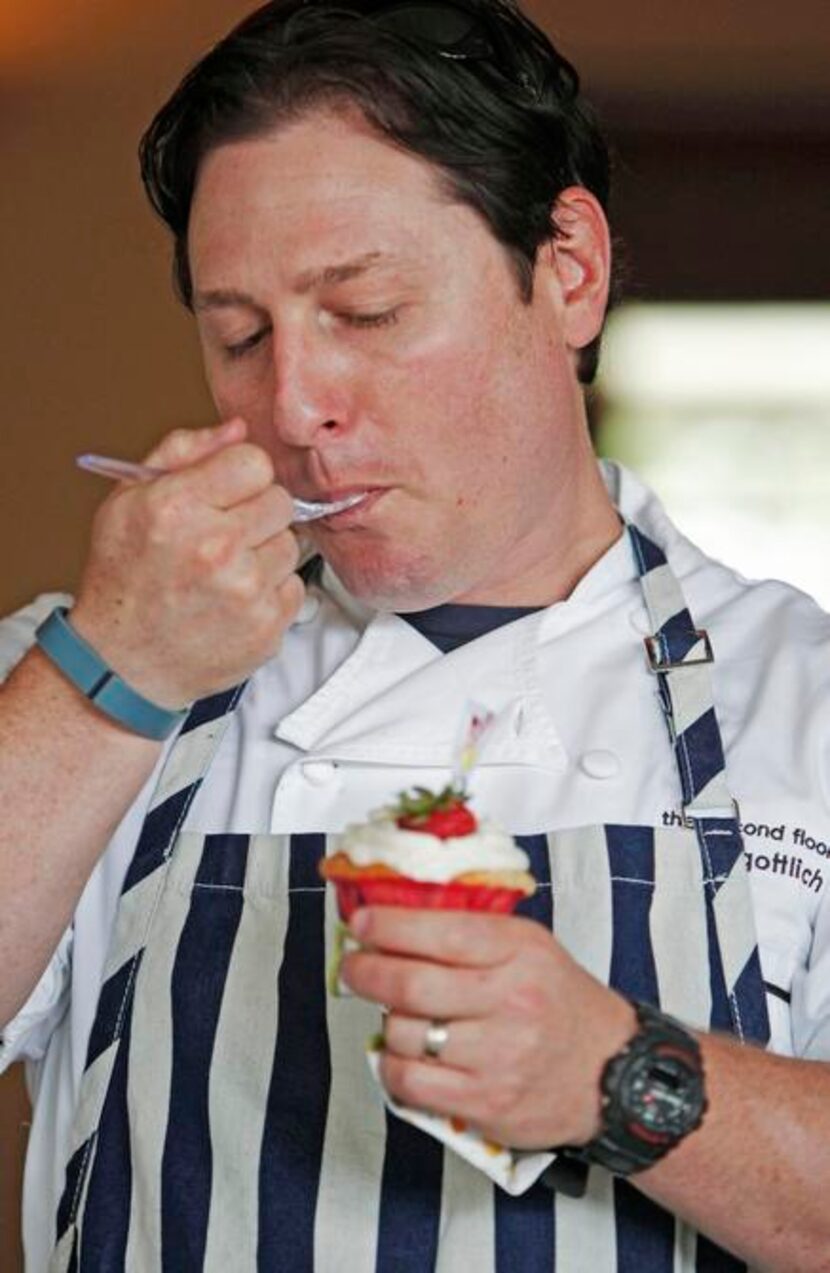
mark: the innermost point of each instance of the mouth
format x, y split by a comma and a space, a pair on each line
361, 500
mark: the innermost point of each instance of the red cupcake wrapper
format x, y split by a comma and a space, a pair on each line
386, 890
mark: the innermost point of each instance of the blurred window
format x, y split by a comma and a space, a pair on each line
725, 411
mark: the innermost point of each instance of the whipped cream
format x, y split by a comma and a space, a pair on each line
421, 856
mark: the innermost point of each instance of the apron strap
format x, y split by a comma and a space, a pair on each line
188, 761
679, 655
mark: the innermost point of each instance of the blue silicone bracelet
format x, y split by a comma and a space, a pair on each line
88, 672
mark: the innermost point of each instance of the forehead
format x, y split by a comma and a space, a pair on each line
324, 185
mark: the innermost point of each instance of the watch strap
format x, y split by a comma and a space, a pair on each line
99, 683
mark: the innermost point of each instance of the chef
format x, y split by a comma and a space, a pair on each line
389, 223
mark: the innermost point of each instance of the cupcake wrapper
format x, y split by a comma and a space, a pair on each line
398, 891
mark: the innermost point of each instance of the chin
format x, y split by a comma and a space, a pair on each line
390, 581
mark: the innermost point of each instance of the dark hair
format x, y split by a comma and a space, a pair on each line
507, 131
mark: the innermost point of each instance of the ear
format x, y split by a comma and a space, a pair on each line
576, 264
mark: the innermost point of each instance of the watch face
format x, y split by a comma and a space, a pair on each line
664, 1097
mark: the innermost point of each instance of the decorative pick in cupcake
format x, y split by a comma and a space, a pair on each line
474, 729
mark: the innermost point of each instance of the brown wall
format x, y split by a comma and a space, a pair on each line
722, 133
95, 354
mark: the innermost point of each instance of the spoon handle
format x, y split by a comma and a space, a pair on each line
126, 470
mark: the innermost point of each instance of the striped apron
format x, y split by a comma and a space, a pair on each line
227, 1120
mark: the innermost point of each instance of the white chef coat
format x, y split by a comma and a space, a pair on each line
359, 705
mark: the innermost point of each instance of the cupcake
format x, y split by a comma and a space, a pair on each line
428, 850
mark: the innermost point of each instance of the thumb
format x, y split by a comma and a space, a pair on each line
183, 447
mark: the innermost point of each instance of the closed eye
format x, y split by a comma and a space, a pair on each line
244, 346
385, 319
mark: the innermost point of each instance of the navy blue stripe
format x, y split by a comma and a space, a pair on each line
295, 1119
197, 985
71, 1190
778, 992
752, 1001
410, 1200
160, 826
631, 853
110, 1014
713, 1259
678, 636
450, 625
72, 1266
212, 708
720, 1017
722, 850
699, 754
647, 555
106, 1218
224, 861
645, 1232
631, 865
525, 1239
539, 905
724, 846
525, 1230
162, 823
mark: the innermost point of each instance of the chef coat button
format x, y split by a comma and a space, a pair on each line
319, 772
640, 621
308, 610
600, 764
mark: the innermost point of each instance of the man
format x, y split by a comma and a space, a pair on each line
390, 225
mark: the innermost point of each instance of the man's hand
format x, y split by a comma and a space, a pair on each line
190, 581
529, 1030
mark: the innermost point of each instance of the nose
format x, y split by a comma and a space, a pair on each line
311, 387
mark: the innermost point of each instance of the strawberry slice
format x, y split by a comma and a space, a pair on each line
446, 824
444, 815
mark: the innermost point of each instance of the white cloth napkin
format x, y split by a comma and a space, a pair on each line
513, 1170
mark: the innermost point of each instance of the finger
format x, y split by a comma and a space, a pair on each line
417, 988
263, 516
183, 447
466, 1047
278, 558
225, 478
290, 596
452, 937
437, 1089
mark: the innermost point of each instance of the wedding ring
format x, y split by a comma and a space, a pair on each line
436, 1039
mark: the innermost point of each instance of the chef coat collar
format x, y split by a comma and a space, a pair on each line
396, 699
395, 675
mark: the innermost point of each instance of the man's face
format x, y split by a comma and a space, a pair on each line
373, 336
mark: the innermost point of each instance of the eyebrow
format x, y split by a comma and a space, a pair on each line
226, 297
337, 273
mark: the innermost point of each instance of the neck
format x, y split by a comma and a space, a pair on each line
580, 525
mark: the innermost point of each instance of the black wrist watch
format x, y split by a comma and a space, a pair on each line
653, 1094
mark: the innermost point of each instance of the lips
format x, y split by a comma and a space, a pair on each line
333, 494
357, 512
